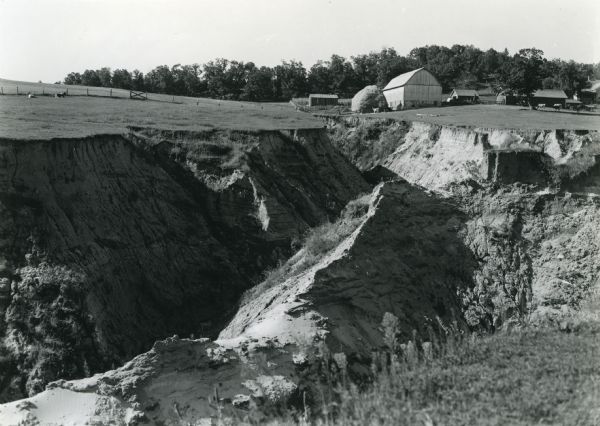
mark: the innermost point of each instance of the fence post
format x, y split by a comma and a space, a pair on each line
17, 90
43, 92
2, 89
67, 91
87, 92
111, 93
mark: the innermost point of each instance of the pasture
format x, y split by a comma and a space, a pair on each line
46, 117
95, 110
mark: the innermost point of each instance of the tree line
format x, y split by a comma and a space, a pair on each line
461, 66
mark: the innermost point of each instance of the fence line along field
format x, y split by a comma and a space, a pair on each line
47, 117
13, 87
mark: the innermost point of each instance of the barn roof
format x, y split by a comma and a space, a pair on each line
466, 92
402, 79
547, 93
321, 95
594, 87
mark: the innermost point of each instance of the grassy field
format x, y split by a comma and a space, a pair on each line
48, 117
14, 87
78, 115
498, 116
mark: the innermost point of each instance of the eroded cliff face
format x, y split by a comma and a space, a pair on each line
531, 198
396, 249
103, 239
469, 229
437, 157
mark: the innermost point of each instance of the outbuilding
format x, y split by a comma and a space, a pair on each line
414, 89
591, 94
317, 100
466, 96
574, 104
506, 97
550, 97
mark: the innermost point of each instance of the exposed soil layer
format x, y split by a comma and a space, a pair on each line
466, 229
103, 239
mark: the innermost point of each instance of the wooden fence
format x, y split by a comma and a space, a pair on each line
73, 90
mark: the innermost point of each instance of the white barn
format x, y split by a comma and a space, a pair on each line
413, 89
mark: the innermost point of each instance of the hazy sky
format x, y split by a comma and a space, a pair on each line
46, 39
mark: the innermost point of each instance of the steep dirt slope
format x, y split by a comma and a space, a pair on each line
399, 251
437, 157
488, 229
530, 196
104, 238
266, 188
539, 252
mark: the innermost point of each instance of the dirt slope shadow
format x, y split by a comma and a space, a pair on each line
399, 250
108, 245
409, 260
100, 247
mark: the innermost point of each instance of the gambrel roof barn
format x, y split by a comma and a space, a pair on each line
413, 89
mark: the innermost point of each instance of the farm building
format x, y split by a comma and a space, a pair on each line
464, 96
549, 97
573, 104
506, 97
412, 90
591, 94
316, 100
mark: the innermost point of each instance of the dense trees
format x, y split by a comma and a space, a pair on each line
523, 74
457, 66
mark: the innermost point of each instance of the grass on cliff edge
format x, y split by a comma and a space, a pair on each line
529, 376
496, 117
78, 116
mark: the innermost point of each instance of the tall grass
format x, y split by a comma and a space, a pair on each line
523, 377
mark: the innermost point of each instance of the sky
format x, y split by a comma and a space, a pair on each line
44, 40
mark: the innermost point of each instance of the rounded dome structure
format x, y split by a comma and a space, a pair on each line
366, 99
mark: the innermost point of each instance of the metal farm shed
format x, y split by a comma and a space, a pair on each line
413, 89
315, 100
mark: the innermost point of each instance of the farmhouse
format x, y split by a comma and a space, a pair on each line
464, 96
316, 100
549, 97
412, 90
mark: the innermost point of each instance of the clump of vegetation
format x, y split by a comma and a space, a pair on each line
369, 141
520, 377
225, 150
318, 242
